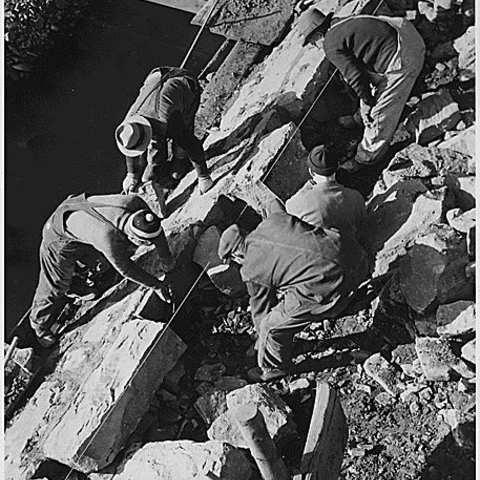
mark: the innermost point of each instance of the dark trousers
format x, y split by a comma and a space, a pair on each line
57, 265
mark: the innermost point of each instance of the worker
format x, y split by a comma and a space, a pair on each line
164, 109
114, 225
380, 58
326, 203
316, 270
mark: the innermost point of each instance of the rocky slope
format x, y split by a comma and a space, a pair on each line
127, 391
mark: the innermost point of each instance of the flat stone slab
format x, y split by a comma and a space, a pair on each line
102, 386
463, 142
469, 351
456, 319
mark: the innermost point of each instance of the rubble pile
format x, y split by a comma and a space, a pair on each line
128, 393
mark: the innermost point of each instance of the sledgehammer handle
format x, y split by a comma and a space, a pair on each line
10, 350
255, 433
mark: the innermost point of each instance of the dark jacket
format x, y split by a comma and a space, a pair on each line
315, 268
358, 46
330, 204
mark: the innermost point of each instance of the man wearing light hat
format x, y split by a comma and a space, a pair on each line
112, 225
316, 270
326, 203
380, 58
164, 109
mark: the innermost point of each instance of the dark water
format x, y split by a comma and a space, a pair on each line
59, 123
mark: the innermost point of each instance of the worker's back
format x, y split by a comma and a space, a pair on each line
320, 266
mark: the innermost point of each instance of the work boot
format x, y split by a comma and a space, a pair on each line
258, 374
205, 183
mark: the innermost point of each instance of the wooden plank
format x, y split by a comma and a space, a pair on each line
192, 6
327, 438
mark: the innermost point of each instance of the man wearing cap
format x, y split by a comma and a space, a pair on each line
111, 224
326, 203
164, 109
316, 270
380, 58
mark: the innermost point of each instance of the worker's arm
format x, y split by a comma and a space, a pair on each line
135, 168
116, 250
353, 70
262, 300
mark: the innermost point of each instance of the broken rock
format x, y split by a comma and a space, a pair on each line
433, 272
383, 372
277, 415
436, 113
461, 221
456, 319
463, 142
468, 351
437, 360
184, 459
465, 46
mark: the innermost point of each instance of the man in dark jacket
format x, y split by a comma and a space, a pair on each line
164, 109
380, 58
113, 225
324, 202
316, 270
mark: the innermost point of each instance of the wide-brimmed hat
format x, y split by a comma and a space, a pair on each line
312, 20
144, 225
321, 161
133, 135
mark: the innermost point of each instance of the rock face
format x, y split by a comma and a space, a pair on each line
103, 383
276, 413
434, 270
456, 319
185, 460
438, 361
465, 46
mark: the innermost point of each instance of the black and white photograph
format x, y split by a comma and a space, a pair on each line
239, 239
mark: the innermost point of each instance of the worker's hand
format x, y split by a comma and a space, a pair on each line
164, 292
130, 183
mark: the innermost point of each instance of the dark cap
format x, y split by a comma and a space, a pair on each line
229, 241
321, 161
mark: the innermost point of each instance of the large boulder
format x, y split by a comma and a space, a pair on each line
463, 142
434, 271
182, 460
105, 378
398, 216
277, 415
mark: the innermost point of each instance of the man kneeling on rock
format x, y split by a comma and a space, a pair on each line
316, 270
113, 225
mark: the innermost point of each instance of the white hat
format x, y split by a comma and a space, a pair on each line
133, 135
